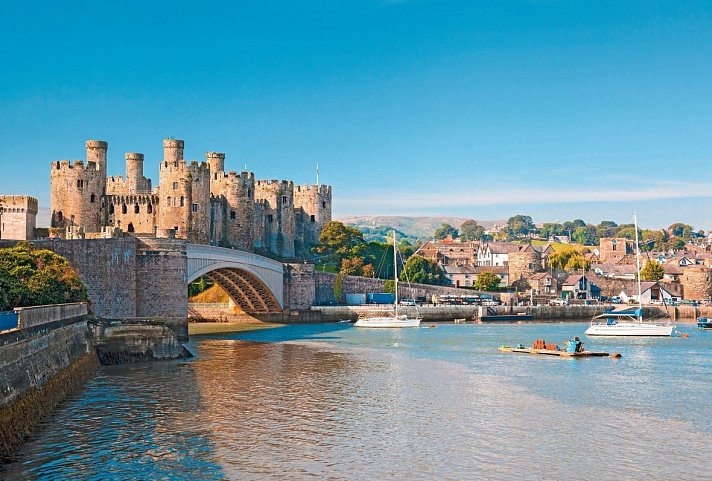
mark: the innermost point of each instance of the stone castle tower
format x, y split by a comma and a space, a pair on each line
197, 201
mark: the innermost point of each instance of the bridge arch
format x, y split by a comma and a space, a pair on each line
255, 283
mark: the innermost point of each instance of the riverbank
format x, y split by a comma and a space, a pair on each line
208, 328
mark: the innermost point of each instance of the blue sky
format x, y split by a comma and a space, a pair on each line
556, 109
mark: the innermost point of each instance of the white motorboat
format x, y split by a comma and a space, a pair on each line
395, 320
629, 321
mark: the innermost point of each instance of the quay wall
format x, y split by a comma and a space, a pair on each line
38, 315
39, 367
218, 313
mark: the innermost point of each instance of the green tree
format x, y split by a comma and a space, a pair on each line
487, 281
551, 229
472, 231
338, 241
389, 286
681, 230
520, 225
445, 230
577, 262
586, 235
33, 277
420, 270
653, 271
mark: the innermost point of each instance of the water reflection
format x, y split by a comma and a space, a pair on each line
354, 404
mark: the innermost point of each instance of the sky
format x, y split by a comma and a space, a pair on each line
480, 109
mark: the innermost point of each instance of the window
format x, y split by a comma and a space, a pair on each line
284, 199
175, 185
137, 209
194, 208
232, 215
124, 209
182, 201
131, 228
80, 184
249, 192
60, 216
312, 218
269, 218
168, 201
149, 208
111, 208
175, 228
323, 205
92, 199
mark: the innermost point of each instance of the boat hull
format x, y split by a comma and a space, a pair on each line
630, 329
704, 323
387, 322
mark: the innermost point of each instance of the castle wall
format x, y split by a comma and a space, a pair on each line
132, 213
18, 218
198, 202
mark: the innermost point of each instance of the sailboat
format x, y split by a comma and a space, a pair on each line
629, 321
395, 320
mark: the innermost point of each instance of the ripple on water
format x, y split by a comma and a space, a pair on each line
349, 408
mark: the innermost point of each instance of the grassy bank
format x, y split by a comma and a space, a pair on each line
201, 328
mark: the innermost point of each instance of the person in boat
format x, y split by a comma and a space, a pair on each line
578, 344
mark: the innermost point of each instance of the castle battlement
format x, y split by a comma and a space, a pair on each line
194, 200
19, 203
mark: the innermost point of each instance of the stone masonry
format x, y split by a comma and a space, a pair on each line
196, 201
18, 215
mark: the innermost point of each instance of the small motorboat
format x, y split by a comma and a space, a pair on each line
704, 323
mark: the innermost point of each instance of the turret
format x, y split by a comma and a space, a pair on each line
96, 152
172, 150
216, 161
134, 172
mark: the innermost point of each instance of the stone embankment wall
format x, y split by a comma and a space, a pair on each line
40, 365
613, 287
38, 315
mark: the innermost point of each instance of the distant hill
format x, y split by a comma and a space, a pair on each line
414, 229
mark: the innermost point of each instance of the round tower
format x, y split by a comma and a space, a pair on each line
134, 171
172, 150
216, 161
184, 196
697, 283
96, 152
523, 264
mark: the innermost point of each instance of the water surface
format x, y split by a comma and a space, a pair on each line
338, 402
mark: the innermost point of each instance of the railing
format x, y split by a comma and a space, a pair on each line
38, 315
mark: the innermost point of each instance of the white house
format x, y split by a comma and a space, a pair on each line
651, 293
495, 254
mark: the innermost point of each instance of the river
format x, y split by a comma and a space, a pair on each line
339, 402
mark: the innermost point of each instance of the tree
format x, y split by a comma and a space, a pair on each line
34, 277
551, 229
681, 230
653, 271
368, 271
562, 259
471, 231
420, 270
445, 230
520, 225
487, 281
338, 241
351, 267
587, 235
389, 286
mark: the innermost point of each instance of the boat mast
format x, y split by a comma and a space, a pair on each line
637, 265
395, 271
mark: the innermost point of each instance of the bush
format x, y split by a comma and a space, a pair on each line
33, 277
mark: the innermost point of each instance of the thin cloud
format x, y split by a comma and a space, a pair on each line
508, 194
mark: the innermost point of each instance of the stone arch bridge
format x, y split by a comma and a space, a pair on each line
255, 283
134, 277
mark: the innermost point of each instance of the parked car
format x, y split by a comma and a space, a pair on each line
407, 302
615, 300
559, 302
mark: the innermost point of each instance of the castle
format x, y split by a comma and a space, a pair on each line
196, 201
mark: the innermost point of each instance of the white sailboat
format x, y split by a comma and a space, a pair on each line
395, 320
629, 321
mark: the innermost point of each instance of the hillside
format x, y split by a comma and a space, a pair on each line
413, 228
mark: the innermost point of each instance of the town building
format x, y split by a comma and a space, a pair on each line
616, 249
579, 286
650, 293
201, 202
495, 253
18, 217
450, 252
